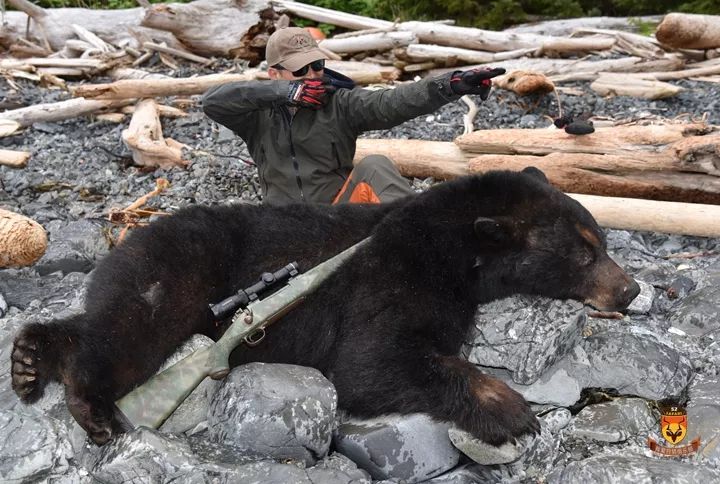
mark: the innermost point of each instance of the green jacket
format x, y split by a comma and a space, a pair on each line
308, 156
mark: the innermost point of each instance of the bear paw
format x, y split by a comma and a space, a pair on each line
27, 380
488, 454
93, 415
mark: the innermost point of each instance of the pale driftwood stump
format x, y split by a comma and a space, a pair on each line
145, 139
689, 31
22, 240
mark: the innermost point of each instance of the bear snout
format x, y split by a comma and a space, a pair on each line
613, 288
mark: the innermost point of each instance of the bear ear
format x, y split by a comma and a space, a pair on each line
492, 232
537, 173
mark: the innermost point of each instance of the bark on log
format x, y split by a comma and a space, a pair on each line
142, 88
689, 31
614, 84
22, 240
650, 176
655, 216
209, 27
417, 158
144, 138
14, 159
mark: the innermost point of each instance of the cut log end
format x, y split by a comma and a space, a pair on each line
22, 240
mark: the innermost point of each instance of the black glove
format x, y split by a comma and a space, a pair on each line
309, 93
474, 81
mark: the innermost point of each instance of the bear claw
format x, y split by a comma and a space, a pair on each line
24, 373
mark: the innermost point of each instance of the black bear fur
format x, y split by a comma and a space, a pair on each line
386, 329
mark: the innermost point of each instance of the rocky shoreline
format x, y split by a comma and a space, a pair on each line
595, 381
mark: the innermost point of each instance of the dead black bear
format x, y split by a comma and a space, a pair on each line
386, 329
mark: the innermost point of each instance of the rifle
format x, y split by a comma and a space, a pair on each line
150, 404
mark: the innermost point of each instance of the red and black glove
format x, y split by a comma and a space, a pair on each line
309, 93
474, 81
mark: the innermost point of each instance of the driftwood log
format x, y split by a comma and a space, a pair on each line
668, 162
677, 162
689, 31
380, 41
142, 88
645, 176
656, 216
14, 159
22, 240
212, 27
441, 160
616, 84
58, 111
145, 139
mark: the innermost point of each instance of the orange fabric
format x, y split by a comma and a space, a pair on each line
363, 193
342, 190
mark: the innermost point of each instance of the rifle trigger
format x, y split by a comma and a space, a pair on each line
255, 338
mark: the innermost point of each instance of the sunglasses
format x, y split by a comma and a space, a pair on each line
317, 66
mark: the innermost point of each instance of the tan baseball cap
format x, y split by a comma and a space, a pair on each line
292, 48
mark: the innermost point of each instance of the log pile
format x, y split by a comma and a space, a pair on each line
671, 162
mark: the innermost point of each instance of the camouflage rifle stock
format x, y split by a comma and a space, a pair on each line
151, 403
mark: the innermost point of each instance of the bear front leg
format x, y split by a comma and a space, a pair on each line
447, 388
494, 412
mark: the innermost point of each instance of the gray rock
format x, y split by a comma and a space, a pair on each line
143, 455
632, 361
484, 453
3, 306
34, 446
703, 411
613, 421
698, 314
53, 291
644, 301
411, 448
633, 469
525, 335
275, 411
72, 247
475, 474
148, 456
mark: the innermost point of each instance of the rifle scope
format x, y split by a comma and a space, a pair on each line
243, 297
